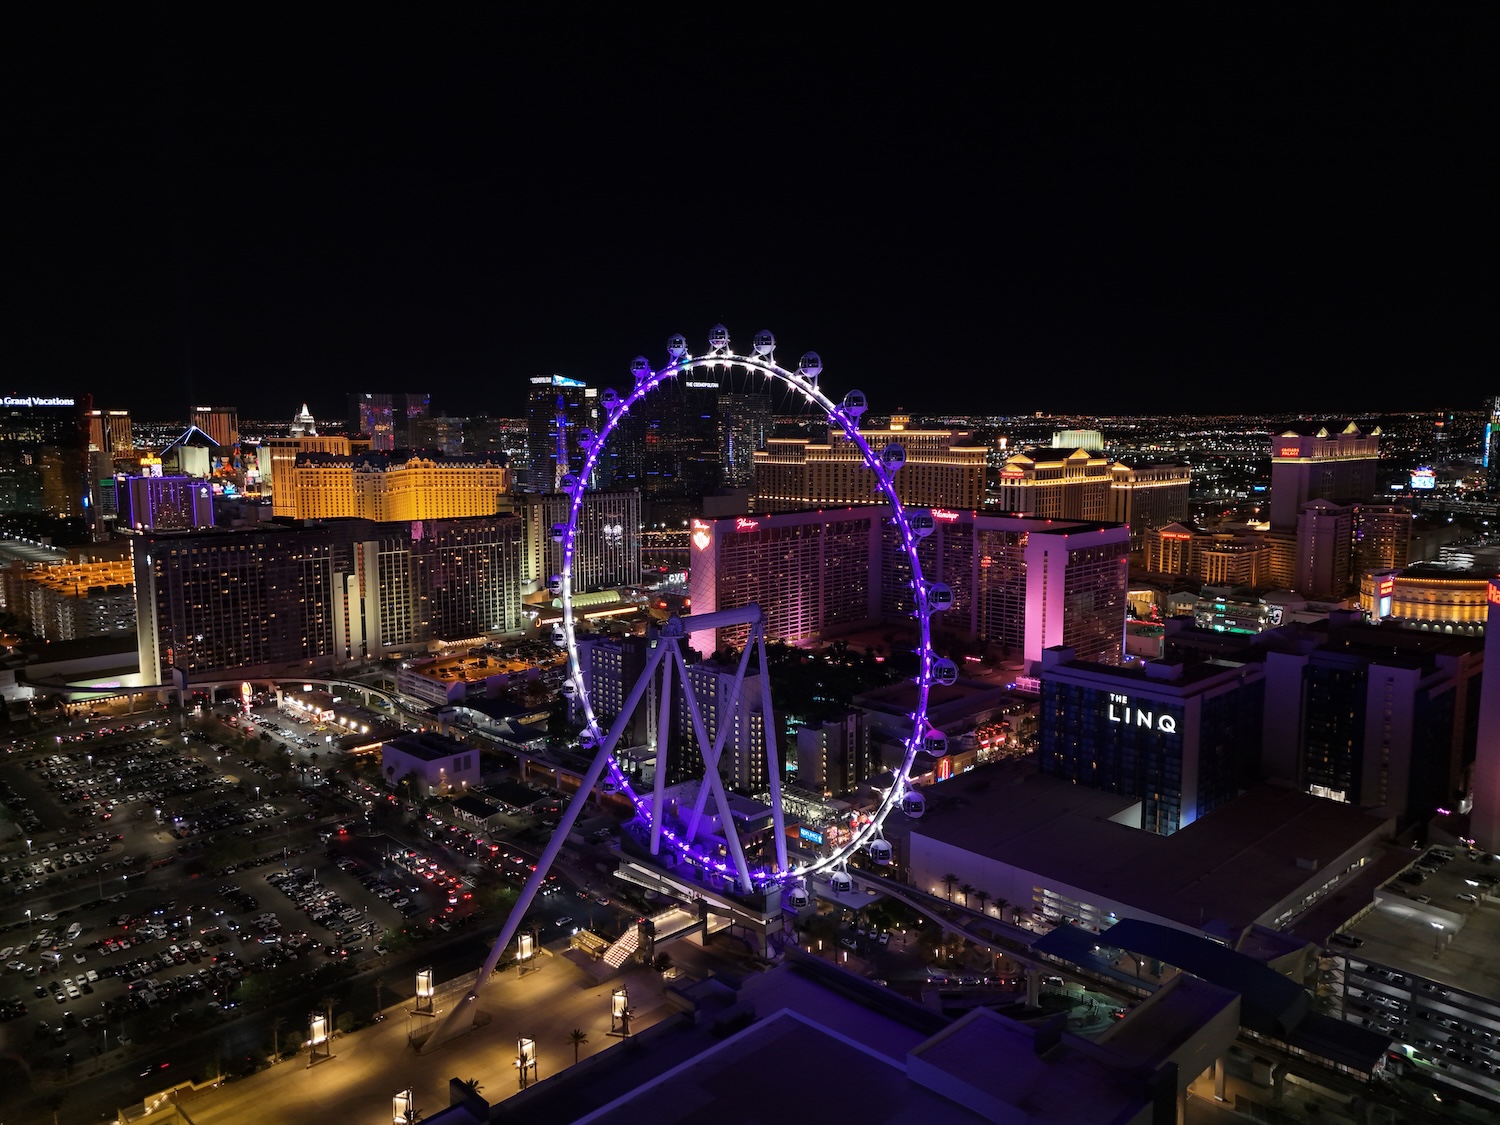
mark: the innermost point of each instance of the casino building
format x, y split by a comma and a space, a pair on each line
1021, 583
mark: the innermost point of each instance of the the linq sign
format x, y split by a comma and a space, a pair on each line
1121, 710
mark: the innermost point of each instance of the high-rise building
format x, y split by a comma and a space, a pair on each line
811, 573
1212, 558
1484, 819
1020, 583
556, 404
165, 503
941, 470
283, 453
1318, 464
109, 432
742, 761
607, 551
1148, 496
1185, 739
414, 408
439, 434
745, 425
44, 458
222, 423
610, 667
1370, 715
375, 415
393, 487
1071, 485
68, 601
833, 753
282, 598
1325, 538
1491, 450
303, 424
1382, 537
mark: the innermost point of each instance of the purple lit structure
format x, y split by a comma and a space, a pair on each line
930, 597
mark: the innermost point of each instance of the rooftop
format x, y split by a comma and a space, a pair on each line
1219, 874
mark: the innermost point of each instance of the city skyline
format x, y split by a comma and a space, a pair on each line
1076, 229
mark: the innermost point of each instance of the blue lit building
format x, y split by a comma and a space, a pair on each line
1184, 739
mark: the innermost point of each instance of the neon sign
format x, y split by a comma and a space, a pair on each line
1493, 593
743, 524
1120, 711
944, 514
34, 401
701, 539
1289, 451
1387, 586
809, 835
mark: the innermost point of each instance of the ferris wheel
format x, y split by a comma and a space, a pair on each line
683, 839
683, 843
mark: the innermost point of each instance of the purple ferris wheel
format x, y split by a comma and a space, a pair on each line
683, 841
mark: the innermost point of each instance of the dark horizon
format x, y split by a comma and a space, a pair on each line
1233, 219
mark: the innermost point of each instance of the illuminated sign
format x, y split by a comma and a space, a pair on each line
34, 401
944, 514
1121, 711
743, 524
1289, 451
944, 769
699, 525
1493, 594
812, 836
1387, 586
555, 381
1423, 478
701, 539
703, 386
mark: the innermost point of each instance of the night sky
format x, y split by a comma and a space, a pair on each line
1196, 216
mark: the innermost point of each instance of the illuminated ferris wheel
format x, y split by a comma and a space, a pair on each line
686, 839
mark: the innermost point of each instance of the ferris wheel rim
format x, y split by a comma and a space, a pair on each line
761, 361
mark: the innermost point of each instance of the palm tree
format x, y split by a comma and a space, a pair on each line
472, 1085
983, 897
277, 1023
578, 1039
949, 881
1000, 905
379, 983
966, 890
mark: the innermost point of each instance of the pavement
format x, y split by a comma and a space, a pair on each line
370, 1065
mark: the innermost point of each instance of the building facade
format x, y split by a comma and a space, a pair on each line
314, 597
433, 764
165, 503
283, 454
1319, 464
1020, 583
941, 470
68, 601
395, 486
1071, 484
607, 550
222, 423
1148, 496
109, 432
1184, 739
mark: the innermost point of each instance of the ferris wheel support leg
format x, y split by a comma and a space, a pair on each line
659, 783
467, 1007
773, 763
711, 758
712, 778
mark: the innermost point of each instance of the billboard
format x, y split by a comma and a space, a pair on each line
1423, 478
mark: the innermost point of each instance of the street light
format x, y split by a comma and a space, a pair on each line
403, 1108
317, 1037
423, 1006
619, 1012
525, 952
526, 1059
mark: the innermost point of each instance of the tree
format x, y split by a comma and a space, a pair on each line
276, 1025
966, 890
379, 983
1000, 905
949, 881
662, 963
983, 897
472, 1085
578, 1038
